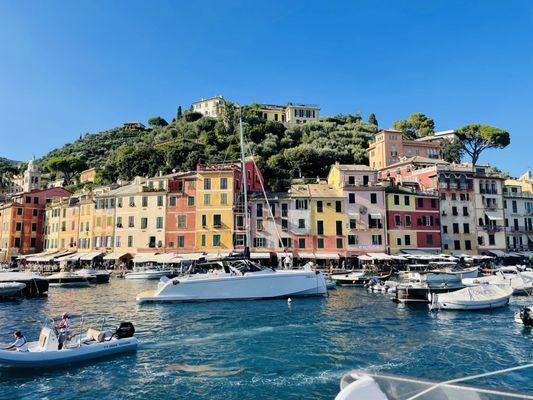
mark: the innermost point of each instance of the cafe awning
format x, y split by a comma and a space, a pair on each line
375, 215
191, 256
364, 257
303, 254
327, 256
283, 255
217, 255
493, 216
91, 256
256, 255
144, 257
498, 253
168, 258
114, 256
380, 256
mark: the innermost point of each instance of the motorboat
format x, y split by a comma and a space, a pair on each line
236, 280
361, 385
69, 279
359, 278
382, 287
525, 316
148, 272
94, 275
36, 285
11, 289
510, 276
422, 291
93, 344
473, 298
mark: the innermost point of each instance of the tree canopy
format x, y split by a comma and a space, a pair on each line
476, 138
157, 121
418, 125
68, 166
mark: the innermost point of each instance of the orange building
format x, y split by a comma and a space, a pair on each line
389, 146
180, 222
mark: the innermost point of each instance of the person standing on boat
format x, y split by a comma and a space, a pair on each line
63, 330
20, 343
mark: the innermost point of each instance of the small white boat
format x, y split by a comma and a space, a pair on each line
511, 277
68, 279
150, 273
472, 298
361, 385
94, 275
236, 280
10, 289
93, 344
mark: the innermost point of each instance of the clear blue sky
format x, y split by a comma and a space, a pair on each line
73, 67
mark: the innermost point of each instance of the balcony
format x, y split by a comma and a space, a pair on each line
519, 228
492, 228
453, 185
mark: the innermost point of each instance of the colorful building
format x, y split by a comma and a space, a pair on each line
291, 113
413, 220
180, 221
103, 232
210, 107
365, 208
389, 147
518, 212
86, 222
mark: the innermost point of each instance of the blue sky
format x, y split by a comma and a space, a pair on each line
68, 68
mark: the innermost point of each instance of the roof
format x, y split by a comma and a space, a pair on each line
219, 97
419, 159
315, 190
354, 167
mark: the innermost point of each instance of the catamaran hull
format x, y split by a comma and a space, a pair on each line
252, 287
35, 359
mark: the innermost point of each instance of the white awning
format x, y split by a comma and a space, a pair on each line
498, 253
326, 256
259, 255
375, 215
91, 256
114, 256
217, 255
401, 258
513, 254
41, 259
168, 258
364, 257
526, 253
303, 254
144, 257
493, 216
191, 256
283, 255
380, 256
76, 256
64, 257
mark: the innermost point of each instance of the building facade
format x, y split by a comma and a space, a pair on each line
210, 107
518, 212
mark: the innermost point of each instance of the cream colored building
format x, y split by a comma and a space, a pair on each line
518, 208
290, 114
210, 107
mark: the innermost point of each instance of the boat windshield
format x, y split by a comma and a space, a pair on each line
246, 266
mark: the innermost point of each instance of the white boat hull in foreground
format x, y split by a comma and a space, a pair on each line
473, 298
148, 274
265, 284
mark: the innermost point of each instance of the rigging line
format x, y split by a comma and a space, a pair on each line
467, 378
266, 198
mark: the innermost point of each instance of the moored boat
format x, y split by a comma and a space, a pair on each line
473, 298
422, 291
36, 285
69, 279
149, 273
510, 277
11, 289
236, 280
94, 275
93, 344
359, 278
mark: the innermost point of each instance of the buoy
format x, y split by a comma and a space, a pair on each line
289, 300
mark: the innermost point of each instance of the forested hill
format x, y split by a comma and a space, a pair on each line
305, 150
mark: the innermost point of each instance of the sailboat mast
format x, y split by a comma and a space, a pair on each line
245, 187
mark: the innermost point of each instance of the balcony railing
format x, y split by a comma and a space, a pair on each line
520, 229
492, 228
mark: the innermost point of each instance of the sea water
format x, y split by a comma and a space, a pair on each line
263, 349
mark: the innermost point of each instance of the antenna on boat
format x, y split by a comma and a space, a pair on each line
245, 187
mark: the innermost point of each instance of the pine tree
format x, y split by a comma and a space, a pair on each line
179, 114
372, 119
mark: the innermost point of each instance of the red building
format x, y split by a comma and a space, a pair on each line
21, 222
180, 229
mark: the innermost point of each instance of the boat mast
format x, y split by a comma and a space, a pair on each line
245, 187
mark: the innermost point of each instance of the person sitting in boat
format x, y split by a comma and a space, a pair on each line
20, 343
63, 330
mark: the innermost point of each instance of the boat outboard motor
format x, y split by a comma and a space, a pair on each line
526, 315
125, 330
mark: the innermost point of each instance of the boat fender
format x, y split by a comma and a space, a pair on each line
175, 282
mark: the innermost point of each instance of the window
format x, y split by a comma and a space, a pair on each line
376, 240
338, 228
353, 224
466, 228
190, 201
131, 221
145, 201
117, 241
301, 204
240, 222
397, 220
204, 220
301, 223
365, 180
160, 201
455, 228
216, 240
287, 242
444, 229
351, 180
207, 183
320, 227
351, 198
259, 224
35, 213
338, 206
406, 200
454, 196
339, 243
259, 210
203, 240
132, 201
301, 243
407, 240
320, 243
207, 199
443, 196
285, 209
151, 241
191, 185
373, 198
28, 199
144, 223
492, 240
223, 183
353, 240
130, 241
465, 211
19, 211
17, 242
223, 198
457, 245
429, 239
217, 220
182, 222
454, 211
407, 220
515, 208
34, 227
420, 202
396, 200
159, 223
319, 206
398, 241
433, 203
172, 201
468, 245
284, 224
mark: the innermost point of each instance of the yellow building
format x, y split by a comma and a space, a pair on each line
89, 175
104, 219
210, 107
389, 146
55, 225
217, 188
291, 113
86, 222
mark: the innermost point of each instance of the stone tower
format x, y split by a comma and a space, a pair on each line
32, 177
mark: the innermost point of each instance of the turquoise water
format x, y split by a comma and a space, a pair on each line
265, 349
